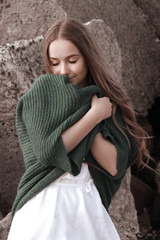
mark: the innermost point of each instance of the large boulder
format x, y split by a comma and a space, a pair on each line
5, 226
122, 211
21, 64
151, 9
143, 194
137, 38
135, 24
27, 19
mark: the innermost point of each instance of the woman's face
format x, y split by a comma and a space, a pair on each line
66, 59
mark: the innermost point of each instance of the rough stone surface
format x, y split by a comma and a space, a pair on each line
21, 63
135, 24
27, 19
157, 177
151, 8
137, 39
109, 47
122, 211
1, 216
4, 227
143, 194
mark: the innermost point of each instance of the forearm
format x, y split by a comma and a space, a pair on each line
105, 154
101, 109
75, 134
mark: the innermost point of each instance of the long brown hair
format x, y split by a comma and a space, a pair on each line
73, 30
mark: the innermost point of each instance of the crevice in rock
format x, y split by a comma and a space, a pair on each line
154, 119
144, 186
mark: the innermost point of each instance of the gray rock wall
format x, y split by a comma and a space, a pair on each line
4, 227
137, 38
129, 36
122, 211
27, 19
135, 24
20, 64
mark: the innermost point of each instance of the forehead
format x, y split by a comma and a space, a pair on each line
61, 48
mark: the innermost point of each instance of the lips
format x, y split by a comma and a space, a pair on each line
71, 77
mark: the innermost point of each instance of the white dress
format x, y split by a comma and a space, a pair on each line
70, 208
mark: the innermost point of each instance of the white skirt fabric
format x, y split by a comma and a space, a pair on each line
70, 208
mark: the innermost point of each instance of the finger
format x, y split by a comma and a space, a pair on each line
95, 96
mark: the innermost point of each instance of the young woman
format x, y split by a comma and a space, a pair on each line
79, 134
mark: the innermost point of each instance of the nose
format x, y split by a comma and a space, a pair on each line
64, 70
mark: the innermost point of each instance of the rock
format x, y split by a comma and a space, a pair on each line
151, 8
109, 47
4, 227
135, 25
157, 177
138, 39
154, 118
154, 212
122, 211
20, 64
1, 216
27, 20
146, 231
143, 194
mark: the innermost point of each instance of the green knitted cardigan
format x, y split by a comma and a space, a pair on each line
43, 113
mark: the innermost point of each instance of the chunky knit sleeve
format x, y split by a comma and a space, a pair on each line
126, 154
125, 144
42, 115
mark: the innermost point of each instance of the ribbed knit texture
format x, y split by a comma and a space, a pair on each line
50, 107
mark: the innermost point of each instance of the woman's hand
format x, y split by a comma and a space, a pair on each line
102, 107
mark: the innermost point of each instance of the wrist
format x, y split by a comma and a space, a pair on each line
94, 116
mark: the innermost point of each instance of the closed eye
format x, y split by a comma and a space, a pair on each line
73, 61
54, 64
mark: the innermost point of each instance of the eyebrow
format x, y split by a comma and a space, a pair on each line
72, 55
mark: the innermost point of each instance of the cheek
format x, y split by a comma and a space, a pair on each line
51, 68
81, 68
54, 70
85, 70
